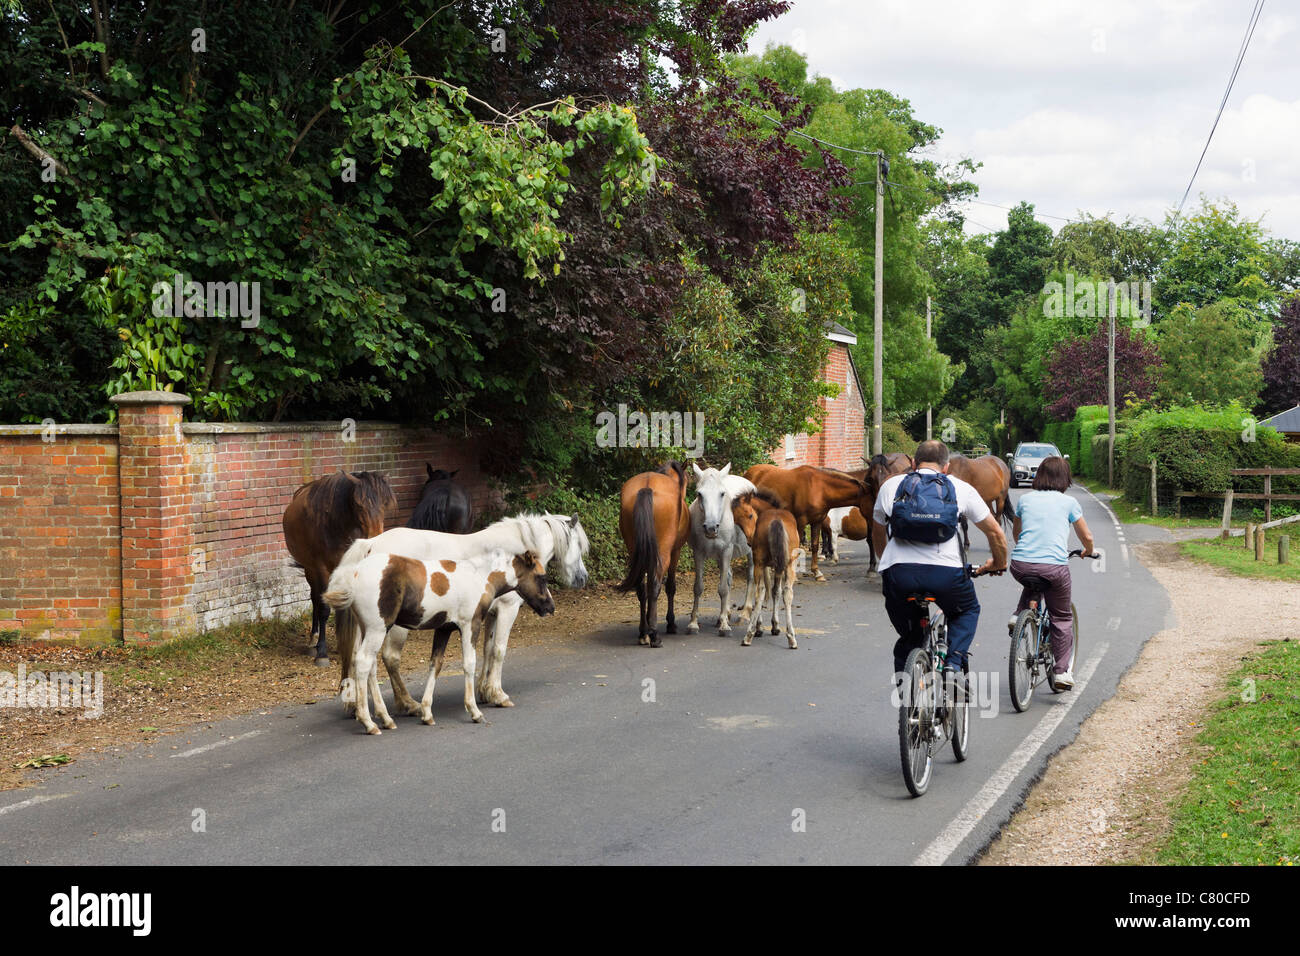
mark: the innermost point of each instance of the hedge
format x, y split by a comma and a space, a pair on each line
1196, 449
1065, 436
1090, 419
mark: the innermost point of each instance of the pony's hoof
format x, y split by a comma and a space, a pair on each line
794, 646
373, 731
655, 642
477, 718
390, 724
724, 631
671, 628
775, 629
322, 662
427, 721
749, 639
693, 627
644, 640
505, 702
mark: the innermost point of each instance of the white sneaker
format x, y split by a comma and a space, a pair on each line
1064, 681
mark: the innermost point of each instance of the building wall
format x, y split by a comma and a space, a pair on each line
152, 528
841, 443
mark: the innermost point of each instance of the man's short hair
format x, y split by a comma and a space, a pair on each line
935, 451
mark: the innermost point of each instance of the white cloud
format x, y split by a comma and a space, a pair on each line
1101, 106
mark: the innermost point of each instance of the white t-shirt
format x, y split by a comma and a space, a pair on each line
946, 554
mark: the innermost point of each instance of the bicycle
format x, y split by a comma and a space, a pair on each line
927, 715
1031, 661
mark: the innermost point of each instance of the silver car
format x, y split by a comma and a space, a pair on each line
1026, 459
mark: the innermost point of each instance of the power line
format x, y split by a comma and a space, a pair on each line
1241, 55
878, 153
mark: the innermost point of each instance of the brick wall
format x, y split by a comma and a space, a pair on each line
841, 443
152, 528
60, 551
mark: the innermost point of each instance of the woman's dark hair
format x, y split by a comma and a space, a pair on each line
1053, 475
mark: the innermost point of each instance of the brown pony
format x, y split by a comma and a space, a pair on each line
654, 522
324, 517
808, 492
990, 476
772, 534
881, 469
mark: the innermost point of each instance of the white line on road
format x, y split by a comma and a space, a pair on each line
937, 853
32, 802
1119, 528
219, 743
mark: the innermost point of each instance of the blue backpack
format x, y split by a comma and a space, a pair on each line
925, 509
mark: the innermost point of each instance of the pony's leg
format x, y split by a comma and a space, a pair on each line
788, 591
773, 588
751, 585
652, 587
814, 547
724, 592
496, 636
755, 622
642, 600
670, 585
377, 693
392, 654
363, 662
440, 639
693, 626
468, 664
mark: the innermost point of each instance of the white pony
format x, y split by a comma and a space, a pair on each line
387, 589
714, 536
548, 536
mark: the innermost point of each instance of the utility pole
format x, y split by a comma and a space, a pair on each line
929, 436
1110, 386
877, 359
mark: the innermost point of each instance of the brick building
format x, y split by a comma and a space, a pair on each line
842, 441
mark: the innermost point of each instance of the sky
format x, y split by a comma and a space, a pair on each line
1102, 106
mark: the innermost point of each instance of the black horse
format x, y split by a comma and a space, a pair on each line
445, 505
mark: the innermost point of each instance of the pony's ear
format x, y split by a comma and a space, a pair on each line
699, 473
429, 468
352, 478
725, 469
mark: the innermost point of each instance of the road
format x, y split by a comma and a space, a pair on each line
744, 755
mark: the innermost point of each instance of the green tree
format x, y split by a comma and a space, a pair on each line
1215, 254
1019, 259
1211, 355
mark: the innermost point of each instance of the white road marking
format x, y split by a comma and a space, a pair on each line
1119, 528
32, 801
219, 743
937, 853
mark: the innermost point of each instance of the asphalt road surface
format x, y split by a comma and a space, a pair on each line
700, 752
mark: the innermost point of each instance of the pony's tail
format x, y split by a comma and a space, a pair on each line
778, 546
1004, 509
357, 550
341, 592
644, 559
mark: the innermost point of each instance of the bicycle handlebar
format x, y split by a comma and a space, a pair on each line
1078, 553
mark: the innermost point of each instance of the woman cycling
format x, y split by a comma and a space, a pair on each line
1042, 529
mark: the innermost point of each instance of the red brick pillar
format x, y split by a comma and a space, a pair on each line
156, 534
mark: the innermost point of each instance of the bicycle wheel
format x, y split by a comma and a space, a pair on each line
916, 721
959, 712
1020, 664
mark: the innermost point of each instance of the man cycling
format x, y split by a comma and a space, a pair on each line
911, 564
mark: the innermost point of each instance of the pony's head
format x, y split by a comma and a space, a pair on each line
714, 495
371, 499
437, 474
745, 514
570, 546
530, 581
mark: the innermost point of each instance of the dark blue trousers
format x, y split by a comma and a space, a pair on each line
954, 591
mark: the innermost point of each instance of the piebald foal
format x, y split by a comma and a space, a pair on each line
387, 590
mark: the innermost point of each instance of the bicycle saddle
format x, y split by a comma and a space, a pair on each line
1036, 584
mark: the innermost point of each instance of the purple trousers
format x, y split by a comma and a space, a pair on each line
1058, 605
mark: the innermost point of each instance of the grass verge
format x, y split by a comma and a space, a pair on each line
1243, 803
1231, 555
1130, 513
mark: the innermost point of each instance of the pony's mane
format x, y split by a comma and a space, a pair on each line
764, 494
332, 495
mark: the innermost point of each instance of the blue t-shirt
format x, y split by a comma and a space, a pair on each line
1045, 520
